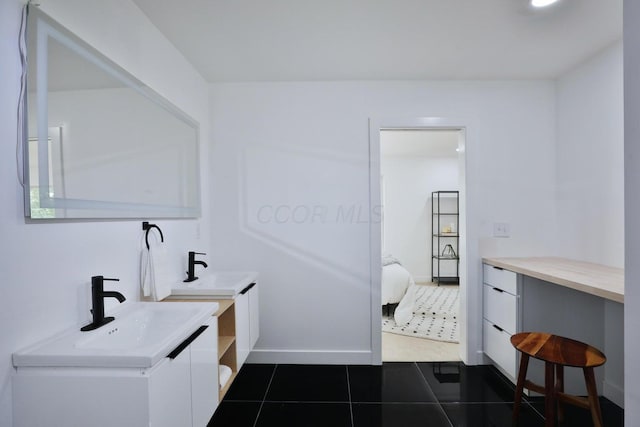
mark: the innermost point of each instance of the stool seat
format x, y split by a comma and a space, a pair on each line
558, 350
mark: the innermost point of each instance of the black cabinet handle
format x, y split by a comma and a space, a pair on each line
497, 268
498, 290
498, 328
245, 290
184, 344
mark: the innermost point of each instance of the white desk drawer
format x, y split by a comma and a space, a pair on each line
500, 278
497, 346
500, 308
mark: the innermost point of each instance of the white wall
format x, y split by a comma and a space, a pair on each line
46, 268
305, 146
408, 183
590, 165
632, 209
590, 171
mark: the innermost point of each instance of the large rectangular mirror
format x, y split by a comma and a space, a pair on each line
99, 143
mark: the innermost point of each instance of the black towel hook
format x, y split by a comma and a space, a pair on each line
147, 227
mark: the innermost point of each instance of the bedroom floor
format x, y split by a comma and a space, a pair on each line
403, 348
394, 394
400, 348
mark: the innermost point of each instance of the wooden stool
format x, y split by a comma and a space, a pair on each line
557, 352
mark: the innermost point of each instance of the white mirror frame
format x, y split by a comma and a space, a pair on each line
89, 209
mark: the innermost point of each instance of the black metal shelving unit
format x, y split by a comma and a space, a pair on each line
445, 226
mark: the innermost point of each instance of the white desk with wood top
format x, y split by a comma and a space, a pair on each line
575, 299
595, 279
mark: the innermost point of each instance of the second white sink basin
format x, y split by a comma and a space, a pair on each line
141, 334
217, 283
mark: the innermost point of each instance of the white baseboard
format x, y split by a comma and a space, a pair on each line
311, 357
614, 393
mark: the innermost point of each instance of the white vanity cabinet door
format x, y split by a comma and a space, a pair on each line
254, 315
170, 392
247, 328
243, 334
184, 390
159, 396
44, 397
204, 374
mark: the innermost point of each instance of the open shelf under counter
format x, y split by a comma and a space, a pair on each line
224, 342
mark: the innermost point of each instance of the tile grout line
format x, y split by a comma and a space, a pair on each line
346, 367
525, 398
434, 395
264, 398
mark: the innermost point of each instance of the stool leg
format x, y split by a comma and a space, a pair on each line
560, 388
522, 375
594, 403
549, 398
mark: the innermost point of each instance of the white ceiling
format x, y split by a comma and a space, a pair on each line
299, 40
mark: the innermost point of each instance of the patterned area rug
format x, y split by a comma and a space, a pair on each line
435, 315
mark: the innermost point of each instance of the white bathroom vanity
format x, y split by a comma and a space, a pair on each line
154, 365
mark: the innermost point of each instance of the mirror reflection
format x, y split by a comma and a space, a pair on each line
100, 143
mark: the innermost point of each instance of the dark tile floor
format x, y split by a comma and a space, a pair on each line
394, 394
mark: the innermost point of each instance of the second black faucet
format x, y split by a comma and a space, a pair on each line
191, 275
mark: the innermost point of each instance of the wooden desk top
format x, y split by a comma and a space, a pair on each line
595, 279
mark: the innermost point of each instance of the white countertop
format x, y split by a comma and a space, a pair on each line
595, 279
220, 284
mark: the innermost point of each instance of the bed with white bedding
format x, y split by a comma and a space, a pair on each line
395, 280
425, 311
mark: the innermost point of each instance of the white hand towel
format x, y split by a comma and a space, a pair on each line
146, 272
161, 274
155, 278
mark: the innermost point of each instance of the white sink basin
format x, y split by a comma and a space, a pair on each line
217, 283
141, 334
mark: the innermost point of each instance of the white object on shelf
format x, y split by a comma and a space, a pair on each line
225, 374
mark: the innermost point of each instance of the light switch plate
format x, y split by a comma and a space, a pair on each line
501, 229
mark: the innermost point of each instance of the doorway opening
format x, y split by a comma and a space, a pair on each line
422, 237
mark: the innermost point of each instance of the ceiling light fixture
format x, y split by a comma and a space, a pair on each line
542, 3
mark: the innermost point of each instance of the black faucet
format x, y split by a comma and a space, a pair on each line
98, 295
191, 276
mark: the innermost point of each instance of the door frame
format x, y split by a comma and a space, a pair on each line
375, 226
